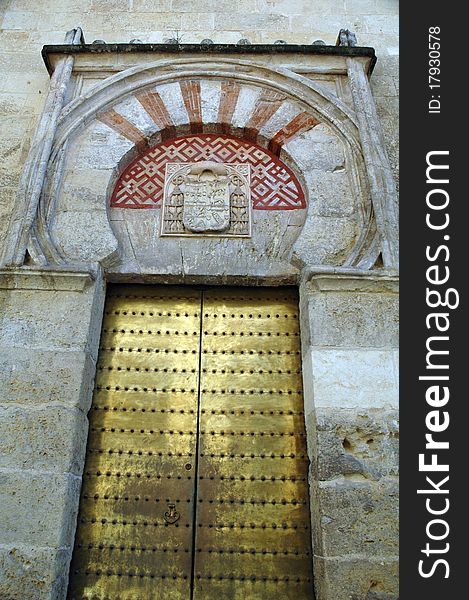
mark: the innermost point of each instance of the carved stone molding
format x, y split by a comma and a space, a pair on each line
57, 280
381, 181
34, 171
33, 222
207, 198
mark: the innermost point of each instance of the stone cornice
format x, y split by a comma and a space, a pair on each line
52, 53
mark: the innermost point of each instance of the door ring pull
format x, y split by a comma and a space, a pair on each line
171, 515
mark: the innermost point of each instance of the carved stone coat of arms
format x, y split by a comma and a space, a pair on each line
206, 198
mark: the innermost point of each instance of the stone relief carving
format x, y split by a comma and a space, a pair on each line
207, 198
346, 38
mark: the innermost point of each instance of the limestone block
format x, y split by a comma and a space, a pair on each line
359, 517
357, 578
13, 39
222, 6
84, 189
331, 193
85, 236
197, 24
11, 104
98, 147
38, 508
29, 82
383, 86
133, 111
53, 438
381, 23
50, 320
22, 20
384, 7
317, 149
33, 573
110, 5
21, 61
142, 248
172, 98
210, 92
387, 65
152, 5
127, 260
286, 113
9, 177
142, 21
301, 6
251, 21
345, 319
317, 25
356, 443
35, 377
354, 378
247, 100
325, 240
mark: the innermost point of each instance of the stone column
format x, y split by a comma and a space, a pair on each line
34, 171
381, 180
49, 335
349, 329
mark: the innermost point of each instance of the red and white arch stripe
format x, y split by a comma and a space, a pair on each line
257, 114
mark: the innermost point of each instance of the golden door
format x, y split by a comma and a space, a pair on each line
195, 483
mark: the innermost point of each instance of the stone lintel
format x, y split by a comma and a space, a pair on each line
43, 278
351, 280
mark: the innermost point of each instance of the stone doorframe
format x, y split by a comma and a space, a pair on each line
53, 289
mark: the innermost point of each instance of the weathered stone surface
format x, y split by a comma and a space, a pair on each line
36, 377
286, 113
33, 573
248, 97
131, 109
86, 236
28, 320
172, 98
317, 149
53, 438
331, 193
354, 379
363, 443
52, 498
344, 319
103, 148
265, 254
210, 92
357, 578
359, 516
325, 241
83, 189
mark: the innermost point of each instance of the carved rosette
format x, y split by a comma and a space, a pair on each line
207, 198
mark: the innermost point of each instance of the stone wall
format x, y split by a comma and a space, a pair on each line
50, 314
350, 339
49, 334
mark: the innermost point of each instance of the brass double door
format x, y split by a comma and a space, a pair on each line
195, 483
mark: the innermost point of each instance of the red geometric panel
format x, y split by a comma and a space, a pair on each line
273, 184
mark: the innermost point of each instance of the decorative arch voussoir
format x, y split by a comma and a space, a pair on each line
274, 83
262, 125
